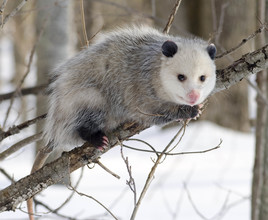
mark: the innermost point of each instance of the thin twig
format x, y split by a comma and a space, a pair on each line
7, 175
184, 129
115, 202
132, 11
25, 91
84, 22
202, 107
12, 13
172, 16
144, 142
28, 68
16, 129
193, 204
20, 145
131, 181
50, 210
223, 210
214, 15
107, 169
258, 31
90, 197
221, 21
175, 154
2, 9
151, 174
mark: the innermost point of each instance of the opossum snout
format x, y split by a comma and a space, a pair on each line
193, 96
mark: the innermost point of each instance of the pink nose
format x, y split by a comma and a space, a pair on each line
193, 96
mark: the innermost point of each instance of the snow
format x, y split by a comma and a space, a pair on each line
216, 183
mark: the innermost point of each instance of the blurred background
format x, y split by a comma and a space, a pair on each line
215, 185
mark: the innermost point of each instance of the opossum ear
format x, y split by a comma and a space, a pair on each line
211, 49
169, 48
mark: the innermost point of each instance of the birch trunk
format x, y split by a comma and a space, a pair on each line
53, 46
259, 201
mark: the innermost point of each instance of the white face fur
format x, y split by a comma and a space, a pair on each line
188, 76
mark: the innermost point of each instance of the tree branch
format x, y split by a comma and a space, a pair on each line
54, 172
248, 64
12, 13
26, 91
172, 16
57, 170
16, 129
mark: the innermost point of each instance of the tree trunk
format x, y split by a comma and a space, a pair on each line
259, 201
53, 45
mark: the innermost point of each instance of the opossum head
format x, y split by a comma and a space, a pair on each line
187, 72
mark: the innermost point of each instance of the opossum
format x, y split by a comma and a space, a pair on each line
133, 74
127, 75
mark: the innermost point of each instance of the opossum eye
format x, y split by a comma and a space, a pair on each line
202, 78
182, 77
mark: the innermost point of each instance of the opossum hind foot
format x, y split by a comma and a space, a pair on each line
104, 145
98, 139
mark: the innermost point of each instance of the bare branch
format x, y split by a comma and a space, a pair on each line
221, 21
83, 22
175, 154
2, 9
16, 129
108, 170
131, 181
223, 210
144, 142
7, 175
15, 10
20, 145
25, 91
26, 72
250, 63
57, 170
90, 197
151, 174
172, 16
245, 40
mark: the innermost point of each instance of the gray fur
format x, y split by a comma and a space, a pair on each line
113, 81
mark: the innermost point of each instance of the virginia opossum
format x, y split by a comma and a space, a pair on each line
127, 75
132, 74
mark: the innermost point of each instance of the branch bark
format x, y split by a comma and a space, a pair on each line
57, 170
250, 63
25, 91
54, 172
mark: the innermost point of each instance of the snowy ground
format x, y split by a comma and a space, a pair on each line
218, 182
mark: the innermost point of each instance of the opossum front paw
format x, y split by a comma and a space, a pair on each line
190, 112
200, 109
194, 112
